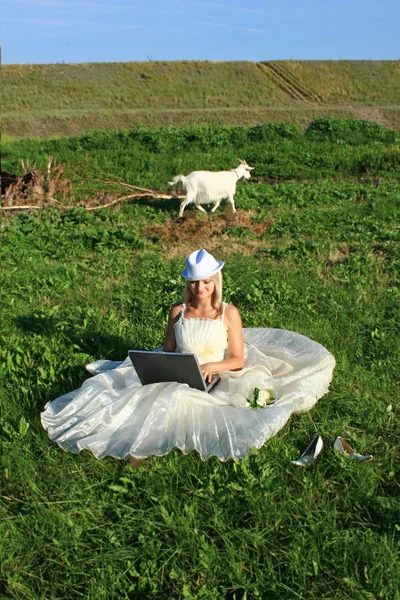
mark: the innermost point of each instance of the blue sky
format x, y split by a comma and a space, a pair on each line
73, 31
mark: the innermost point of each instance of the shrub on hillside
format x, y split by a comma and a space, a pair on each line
378, 162
352, 131
273, 131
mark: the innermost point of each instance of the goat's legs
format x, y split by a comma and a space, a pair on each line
190, 197
183, 206
232, 201
214, 208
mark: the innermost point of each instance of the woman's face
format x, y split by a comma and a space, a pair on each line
203, 288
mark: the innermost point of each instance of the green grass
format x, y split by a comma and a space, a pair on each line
329, 149
363, 83
49, 124
66, 99
77, 286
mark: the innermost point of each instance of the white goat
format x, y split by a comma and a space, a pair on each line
203, 187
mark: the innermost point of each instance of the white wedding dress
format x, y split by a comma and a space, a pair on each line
112, 414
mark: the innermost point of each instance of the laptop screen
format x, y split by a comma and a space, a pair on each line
156, 367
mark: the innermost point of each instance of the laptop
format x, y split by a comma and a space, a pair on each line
154, 367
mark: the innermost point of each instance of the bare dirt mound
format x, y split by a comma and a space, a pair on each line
230, 233
203, 228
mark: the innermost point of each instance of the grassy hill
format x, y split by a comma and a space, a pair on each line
320, 258
313, 248
65, 99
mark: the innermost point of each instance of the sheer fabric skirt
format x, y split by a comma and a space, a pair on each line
112, 414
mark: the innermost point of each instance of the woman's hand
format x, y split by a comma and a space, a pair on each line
208, 370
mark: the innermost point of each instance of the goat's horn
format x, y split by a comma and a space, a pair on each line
241, 161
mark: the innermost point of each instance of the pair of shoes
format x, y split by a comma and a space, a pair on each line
315, 448
343, 447
310, 453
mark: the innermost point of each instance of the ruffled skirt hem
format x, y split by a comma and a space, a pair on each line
112, 414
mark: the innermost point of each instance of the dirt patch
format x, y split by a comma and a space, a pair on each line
202, 228
339, 255
228, 233
220, 247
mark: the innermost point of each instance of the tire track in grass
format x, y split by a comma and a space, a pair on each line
290, 84
304, 89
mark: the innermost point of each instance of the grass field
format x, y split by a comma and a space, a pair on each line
67, 99
314, 248
330, 148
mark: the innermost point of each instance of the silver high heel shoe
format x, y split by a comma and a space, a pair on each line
310, 453
343, 447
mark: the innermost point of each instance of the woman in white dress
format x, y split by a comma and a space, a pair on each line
112, 414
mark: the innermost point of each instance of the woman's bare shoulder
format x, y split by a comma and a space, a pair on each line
232, 314
175, 309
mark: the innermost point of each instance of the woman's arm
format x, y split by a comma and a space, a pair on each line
170, 341
235, 361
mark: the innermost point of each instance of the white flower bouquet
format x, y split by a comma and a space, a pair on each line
261, 398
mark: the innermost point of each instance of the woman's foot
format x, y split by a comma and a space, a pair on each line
135, 462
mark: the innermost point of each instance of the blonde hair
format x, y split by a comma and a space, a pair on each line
216, 298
